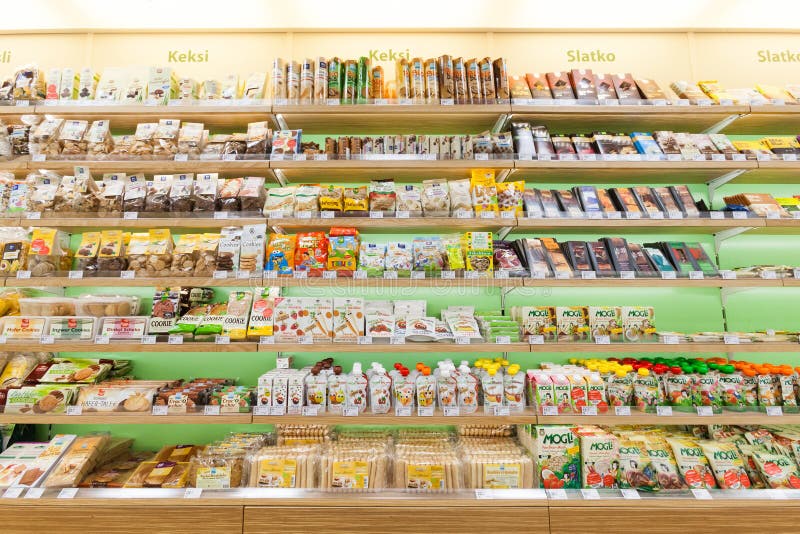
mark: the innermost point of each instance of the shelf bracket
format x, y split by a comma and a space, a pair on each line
502, 233
504, 174
723, 235
719, 181
724, 123
503, 294
280, 121
726, 292
498, 125
280, 177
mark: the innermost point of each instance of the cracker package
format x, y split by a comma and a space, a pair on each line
253, 243
639, 323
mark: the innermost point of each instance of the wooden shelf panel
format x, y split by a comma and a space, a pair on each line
677, 418
653, 283
409, 347
317, 119
647, 226
226, 168
690, 348
91, 221
61, 281
625, 118
18, 166
479, 418
769, 119
398, 282
126, 419
394, 225
355, 170
128, 346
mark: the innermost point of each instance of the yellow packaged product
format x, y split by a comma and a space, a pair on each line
183, 257
479, 251
49, 252
509, 196
715, 91
331, 198
484, 191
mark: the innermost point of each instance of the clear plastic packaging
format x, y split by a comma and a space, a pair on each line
355, 466
157, 199
106, 305
286, 466
49, 252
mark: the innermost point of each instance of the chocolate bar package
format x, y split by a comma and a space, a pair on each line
645, 144
605, 143
522, 135
679, 256
650, 89
587, 195
686, 146
664, 196
539, 88
563, 144
605, 201
519, 88
625, 200
583, 144
723, 144
600, 258
640, 259
567, 202
604, 84
647, 200
578, 255
625, 87
688, 91
535, 256
583, 83
501, 79
656, 256
667, 141
549, 202
532, 203
558, 262
703, 143
701, 259
683, 197
619, 253
624, 144
560, 86
542, 141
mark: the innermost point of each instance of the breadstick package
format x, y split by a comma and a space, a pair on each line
356, 465
285, 466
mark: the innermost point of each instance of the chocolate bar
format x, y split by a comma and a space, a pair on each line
640, 259
647, 200
558, 263
601, 259
559, 85
664, 196
587, 195
625, 87
606, 203
701, 259
578, 255
683, 197
624, 199
563, 144
650, 89
604, 83
567, 201
645, 144
539, 88
583, 83
656, 256
583, 144
619, 253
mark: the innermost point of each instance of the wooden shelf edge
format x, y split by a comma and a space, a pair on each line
126, 419
126, 346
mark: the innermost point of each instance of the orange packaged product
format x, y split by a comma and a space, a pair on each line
311, 255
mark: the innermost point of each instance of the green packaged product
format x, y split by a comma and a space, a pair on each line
190, 320
212, 324
349, 79
335, 78
363, 80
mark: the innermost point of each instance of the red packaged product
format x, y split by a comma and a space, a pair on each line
311, 255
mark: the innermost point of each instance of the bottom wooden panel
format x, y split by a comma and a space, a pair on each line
380, 519
110, 519
746, 517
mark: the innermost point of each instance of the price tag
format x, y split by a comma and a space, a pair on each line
769, 275
222, 340
425, 411
451, 411
271, 275
657, 215
402, 214
664, 411
674, 214
159, 410
390, 275
776, 411
549, 410
503, 340
101, 340
47, 340
75, 275
717, 157
717, 215
499, 275
333, 102
538, 275
381, 101
447, 101
448, 275
613, 215
3, 340
610, 157
300, 275
327, 215
402, 411
740, 215
668, 275
74, 410
471, 275
34, 493
329, 275
13, 492
705, 411
594, 215
33, 215
590, 494
175, 339
127, 275
462, 340
630, 494
148, 340
220, 215
309, 411
23, 275
350, 411
501, 411
38, 157
536, 340
699, 157
397, 340
777, 495
557, 494
588, 410
696, 275
261, 410
488, 215
192, 493
228, 157
279, 410
562, 275
365, 340
602, 340
320, 157
282, 363
482, 157
739, 157
507, 215
773, 215
622, 411
181, 157
243, 275
634, 215
266, 340
417, 275
701, 494
627, 275
789, 157
673, 157
306, 340
730, 339
67, 493
588, 275
376, 215
670, 339
728, 275
210, 409
463, 214
359, 275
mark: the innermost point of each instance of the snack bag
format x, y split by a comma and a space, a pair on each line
636, 470
509, 196
311, 254
484, 191
372, 258
343, 250
726, 463
280, 254
692, 463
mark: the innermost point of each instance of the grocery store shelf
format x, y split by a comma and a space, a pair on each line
691, 348
116, 281
394, 282
771, 171
18, 166
767, 119
361, 170
410, 347
113, 418
691, 225
143, 220
653, 283
438, 418
390, 119
676, 418
128, 346
227, 168
625, 118
124, 118
393, 224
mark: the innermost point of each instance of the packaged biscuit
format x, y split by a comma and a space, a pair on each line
261, 313
572, 323
280, 254
484, 191
403, 79
638, 323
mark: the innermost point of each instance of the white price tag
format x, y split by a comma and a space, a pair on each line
448, 275
127, 275
739, 215
557, 494
211, 409
717, 215
630, 494
590, 494
670, 339
705, 411
327, 215
488, 215
402, 214
38, 157
306, 340
463, 214
503, 340
549, 410
701, 494
501, 411
776, 411
602, 340
365, 340
789, 157
674, 157
359, 275
300, 275
220, 215
390, 275
175, 339
329, 275
222, 340
657, 215
381, 101
451, 411
159, 410
634, 215
278, 410
148, 340
507, 215
717, 157
3, 340
536, 340
627, 275
34, 493
447, 101
562, 275
192, 493
668, 275
588, 410
739, 157
588, 275
376, 215
261, 410
333, 102
74, 410
424, 411
499, 275
538, 275
67, 493
462, 340
418, 275
75, 275
229, 157
397, 340
696, 275
243, 275
673, 214
33, 215
471, 275
13, 492
266, 340
402, 411
664, 411
622, 411
730, 339
320, 157
282, 363
309, 411
594, 215
23, 275
614, 215
777, 495
769, 275
728, 275
350, 411
181, 157
101, 340
482, 157
47, 340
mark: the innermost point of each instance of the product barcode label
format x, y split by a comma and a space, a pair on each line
501, 411
588, 275
148, 340
402, 411
696, 275
774, 410
261, 410
451, 411
622, 411
536, 340
425, 411
75, 275
175, 339
602, 340
222, 340
329, 275
309, 411
74, 410
350, 411
23, 275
